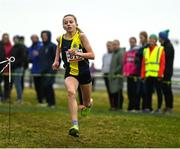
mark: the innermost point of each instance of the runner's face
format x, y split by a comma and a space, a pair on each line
69, 24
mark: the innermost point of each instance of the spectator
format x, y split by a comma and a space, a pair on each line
153, 65
169, 57
19, 54
141, 87
26, 60
106, 62
46, 59
130, 70
34, 59
1, 93
116, 82
2, 58
6, 47
93, 71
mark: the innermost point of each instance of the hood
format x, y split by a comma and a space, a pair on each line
48, 34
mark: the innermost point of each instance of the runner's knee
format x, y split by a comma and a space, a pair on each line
71, 93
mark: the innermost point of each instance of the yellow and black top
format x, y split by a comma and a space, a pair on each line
74, 65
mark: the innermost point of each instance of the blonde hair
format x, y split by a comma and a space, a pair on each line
75, 19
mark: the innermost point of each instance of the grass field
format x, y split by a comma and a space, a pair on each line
33, 126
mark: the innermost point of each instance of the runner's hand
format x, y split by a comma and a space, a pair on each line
55, 65
72, 51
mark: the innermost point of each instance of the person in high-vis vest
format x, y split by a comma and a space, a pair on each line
75, 50
152, 70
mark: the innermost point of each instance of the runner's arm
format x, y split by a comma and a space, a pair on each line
85, 42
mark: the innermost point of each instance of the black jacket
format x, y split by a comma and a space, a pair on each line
140, 57
2, 55
19, 52
169, 56
46, 58
26, 62
47, 54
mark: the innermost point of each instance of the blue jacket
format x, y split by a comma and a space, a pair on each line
35, 59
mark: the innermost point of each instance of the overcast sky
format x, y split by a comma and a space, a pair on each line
101, 20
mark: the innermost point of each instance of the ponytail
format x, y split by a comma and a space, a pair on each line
79, 30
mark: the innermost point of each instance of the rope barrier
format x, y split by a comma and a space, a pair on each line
12, 59
58, 75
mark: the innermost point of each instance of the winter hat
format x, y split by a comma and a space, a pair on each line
164, 34
154, 36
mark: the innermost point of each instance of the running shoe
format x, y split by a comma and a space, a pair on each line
74, 131
87, 109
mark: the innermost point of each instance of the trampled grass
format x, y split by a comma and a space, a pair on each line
33, 126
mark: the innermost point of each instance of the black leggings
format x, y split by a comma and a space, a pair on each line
168, 94
7, 87
39, 88
49, 94
151, 84
118, 99
132, 94
49, 90
111, 99
140, 94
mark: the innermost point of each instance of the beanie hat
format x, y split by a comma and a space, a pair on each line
153, 36
164, 34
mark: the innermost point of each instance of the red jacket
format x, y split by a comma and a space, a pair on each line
7, 48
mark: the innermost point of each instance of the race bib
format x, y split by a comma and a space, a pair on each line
74, 58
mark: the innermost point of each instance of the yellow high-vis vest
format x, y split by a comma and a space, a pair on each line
152, 61
76, 43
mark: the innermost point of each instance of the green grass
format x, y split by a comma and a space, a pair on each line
33, 126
